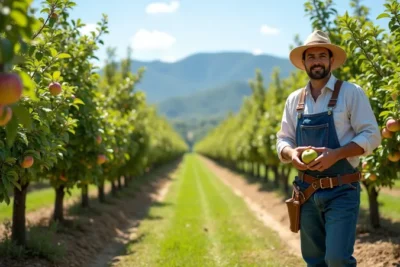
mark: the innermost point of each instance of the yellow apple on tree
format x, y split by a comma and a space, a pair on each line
394, 157
308, 155
386, 133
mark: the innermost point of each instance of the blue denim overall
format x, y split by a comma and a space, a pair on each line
328, 219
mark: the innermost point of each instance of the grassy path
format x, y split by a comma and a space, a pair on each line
203, 223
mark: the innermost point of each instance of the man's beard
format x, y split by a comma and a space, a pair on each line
320, 74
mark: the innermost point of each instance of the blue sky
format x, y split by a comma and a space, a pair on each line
171, 30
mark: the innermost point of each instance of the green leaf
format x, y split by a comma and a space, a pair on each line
13, 175
19, 17
64, 55
79, 101
384, 113
39, 56
7, 199
6, 50
383, 15
10, 160
29, 86
47, 110
11, 131
53, 52
17, 185
56, 75
23, 116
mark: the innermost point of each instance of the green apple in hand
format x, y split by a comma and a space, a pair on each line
308, 155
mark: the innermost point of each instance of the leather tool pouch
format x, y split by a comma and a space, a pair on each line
293, 206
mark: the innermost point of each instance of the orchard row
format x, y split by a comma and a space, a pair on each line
62, 118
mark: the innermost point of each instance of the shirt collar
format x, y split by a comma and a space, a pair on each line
330, 84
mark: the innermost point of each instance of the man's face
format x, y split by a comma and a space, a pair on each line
317, 63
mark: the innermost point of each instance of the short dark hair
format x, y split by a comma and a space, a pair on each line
304, 54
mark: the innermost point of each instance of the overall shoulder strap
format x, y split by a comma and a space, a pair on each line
300, 104
335, 94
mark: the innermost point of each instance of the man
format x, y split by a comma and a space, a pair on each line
336, 120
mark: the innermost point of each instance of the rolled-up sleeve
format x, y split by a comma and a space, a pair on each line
286, 136
364, 122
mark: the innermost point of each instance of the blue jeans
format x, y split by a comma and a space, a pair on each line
328, 225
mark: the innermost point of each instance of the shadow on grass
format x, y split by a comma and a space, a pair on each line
100, 226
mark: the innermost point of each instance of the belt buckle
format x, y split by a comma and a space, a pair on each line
330, 182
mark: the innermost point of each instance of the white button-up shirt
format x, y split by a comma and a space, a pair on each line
353, 117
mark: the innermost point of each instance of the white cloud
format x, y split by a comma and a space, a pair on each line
85, 30
158, 7
257, 52
169, 59
152, 40
268, 30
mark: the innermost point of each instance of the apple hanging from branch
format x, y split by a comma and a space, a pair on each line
5, 115
55, 88
27, 162
10, 88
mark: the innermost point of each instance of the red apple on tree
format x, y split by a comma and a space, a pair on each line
98, 139
28, 162
393, 125
55, 88
373, 177
101, 159
10, 88
5, 115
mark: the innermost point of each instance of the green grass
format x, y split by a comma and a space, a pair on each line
36, 200
389, 206
397, 184
203, 223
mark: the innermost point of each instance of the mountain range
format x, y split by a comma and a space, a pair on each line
197, 92
203, 71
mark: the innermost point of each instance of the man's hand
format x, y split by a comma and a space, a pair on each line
327, 158
295, 155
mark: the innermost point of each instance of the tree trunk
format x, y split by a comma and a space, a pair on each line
113, 189
101, 195
373, 206
276, 176
126, 181
18, 233
266, 172
58, 214
255, 169
85, 196
119, 183
285, 178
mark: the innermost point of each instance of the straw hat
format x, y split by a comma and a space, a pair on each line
318, 39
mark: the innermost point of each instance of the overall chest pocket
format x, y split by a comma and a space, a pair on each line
315, 135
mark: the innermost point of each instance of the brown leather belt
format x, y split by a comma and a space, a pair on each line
323, 183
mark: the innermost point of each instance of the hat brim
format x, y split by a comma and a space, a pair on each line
339, 55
